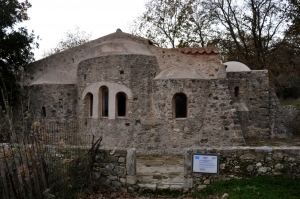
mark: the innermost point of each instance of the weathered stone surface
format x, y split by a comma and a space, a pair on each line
131, 162
116, 184
96, 175
250, 168
121, 159
175, 187
271, 161
278, 166
188, 182
248, 156
131, 179
263, 170
119, 170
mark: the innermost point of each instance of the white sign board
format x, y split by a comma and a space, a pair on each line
206, 163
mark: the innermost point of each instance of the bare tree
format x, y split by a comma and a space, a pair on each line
72, 38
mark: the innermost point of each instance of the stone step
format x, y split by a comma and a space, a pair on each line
161, 186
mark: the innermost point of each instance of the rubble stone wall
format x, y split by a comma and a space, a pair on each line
241, 162
115, 167
53, 102
283, 119
251, 89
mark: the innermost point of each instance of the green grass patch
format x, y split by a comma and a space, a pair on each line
255, 187
294, 102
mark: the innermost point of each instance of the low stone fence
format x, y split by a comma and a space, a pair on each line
242, 162
116, 167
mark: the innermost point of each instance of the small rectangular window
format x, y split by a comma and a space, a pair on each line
43, 112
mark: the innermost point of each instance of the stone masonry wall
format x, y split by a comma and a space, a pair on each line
241, 162
208, 64
253, 94
116, 167
282, 118
58, 101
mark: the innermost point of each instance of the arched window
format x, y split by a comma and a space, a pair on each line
88, 105
121, 99
236, 91
180, 105
91, 105
103, 101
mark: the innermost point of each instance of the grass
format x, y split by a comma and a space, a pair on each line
256, 187
295, 102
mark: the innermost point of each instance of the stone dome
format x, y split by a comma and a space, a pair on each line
181, 72
235, 66
117, 46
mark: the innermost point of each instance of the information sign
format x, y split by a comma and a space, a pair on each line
206, 163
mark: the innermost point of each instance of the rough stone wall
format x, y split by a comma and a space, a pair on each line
133, 71
211, 119
208, 64
149, 125
115, 167
281, 118
59, 102
253, 93
241, 162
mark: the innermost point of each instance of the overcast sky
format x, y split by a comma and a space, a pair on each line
50, 19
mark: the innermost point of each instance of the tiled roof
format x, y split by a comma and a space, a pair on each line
194, 51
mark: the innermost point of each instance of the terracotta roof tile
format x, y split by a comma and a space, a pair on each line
194, 51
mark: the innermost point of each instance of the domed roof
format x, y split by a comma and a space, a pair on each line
55, 77
117, 46
181, 72
235, 66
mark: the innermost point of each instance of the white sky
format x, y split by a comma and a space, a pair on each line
50, 19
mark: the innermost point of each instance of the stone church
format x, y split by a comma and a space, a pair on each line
136, 94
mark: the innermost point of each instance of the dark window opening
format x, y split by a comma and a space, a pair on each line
180, 106
91, 105
121, 104
104, 102
236, 91
121, 72
84, 77
43, 112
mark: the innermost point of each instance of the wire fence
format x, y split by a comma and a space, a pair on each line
45, 161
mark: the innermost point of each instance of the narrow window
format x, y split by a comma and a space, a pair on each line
236, 91
180, 105
121, 104
104, 102
91, 105
88, 105
43, 112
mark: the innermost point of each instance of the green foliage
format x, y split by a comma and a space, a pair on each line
255, 187
290, 101
15, 46
71, 39
291, 90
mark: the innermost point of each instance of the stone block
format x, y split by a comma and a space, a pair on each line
96, 175
175, 187
119, 170
121, 159
131, 162
188, 183
116, 184
201, 186
131, 179
163, 187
